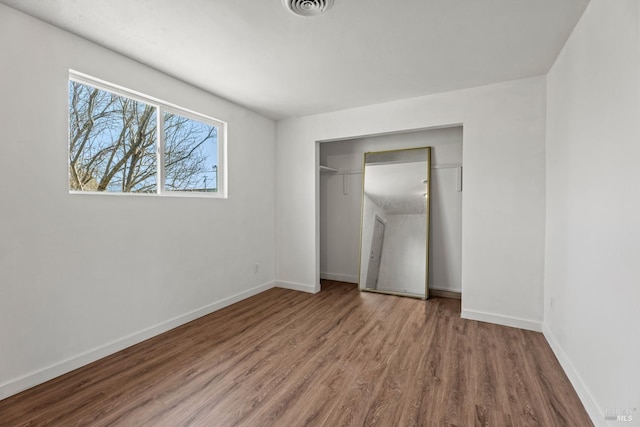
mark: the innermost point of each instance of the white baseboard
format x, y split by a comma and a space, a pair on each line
52, 371
444, 294
339, 277
499, 319
297, 287
597, 417
444, 288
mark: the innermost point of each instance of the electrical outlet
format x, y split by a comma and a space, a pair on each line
256, 268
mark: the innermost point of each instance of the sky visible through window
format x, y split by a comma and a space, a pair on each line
199, 142
113, 145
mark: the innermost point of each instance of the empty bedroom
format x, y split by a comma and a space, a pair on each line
319, 213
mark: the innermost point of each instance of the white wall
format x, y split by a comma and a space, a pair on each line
445, 233
340, 226
82, 276
503, 197
340, 213
593, 208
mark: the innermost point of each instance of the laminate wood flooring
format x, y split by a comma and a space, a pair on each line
337, 358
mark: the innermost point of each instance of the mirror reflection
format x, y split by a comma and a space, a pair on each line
394, 248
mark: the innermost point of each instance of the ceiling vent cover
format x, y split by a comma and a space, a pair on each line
308, 7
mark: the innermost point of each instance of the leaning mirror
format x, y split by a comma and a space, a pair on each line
394, 246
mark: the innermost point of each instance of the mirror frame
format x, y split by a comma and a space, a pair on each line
427, 218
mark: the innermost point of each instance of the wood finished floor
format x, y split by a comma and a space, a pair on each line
337, 358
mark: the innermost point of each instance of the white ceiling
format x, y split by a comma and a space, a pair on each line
259, 55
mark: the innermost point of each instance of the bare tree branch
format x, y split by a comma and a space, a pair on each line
112, 145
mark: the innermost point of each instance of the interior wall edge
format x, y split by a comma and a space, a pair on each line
445, 289
297, 286
40, 376
597, 416
498, 319
447, 125
339, 277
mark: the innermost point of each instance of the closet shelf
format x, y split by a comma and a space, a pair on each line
327, 169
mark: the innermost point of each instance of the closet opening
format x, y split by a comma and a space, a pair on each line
340, 204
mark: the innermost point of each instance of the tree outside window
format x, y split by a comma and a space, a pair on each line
120, 144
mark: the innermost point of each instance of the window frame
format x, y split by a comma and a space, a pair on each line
161, 107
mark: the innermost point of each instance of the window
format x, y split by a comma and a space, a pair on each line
122, 142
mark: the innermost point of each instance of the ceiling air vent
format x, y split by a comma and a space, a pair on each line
308, 7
